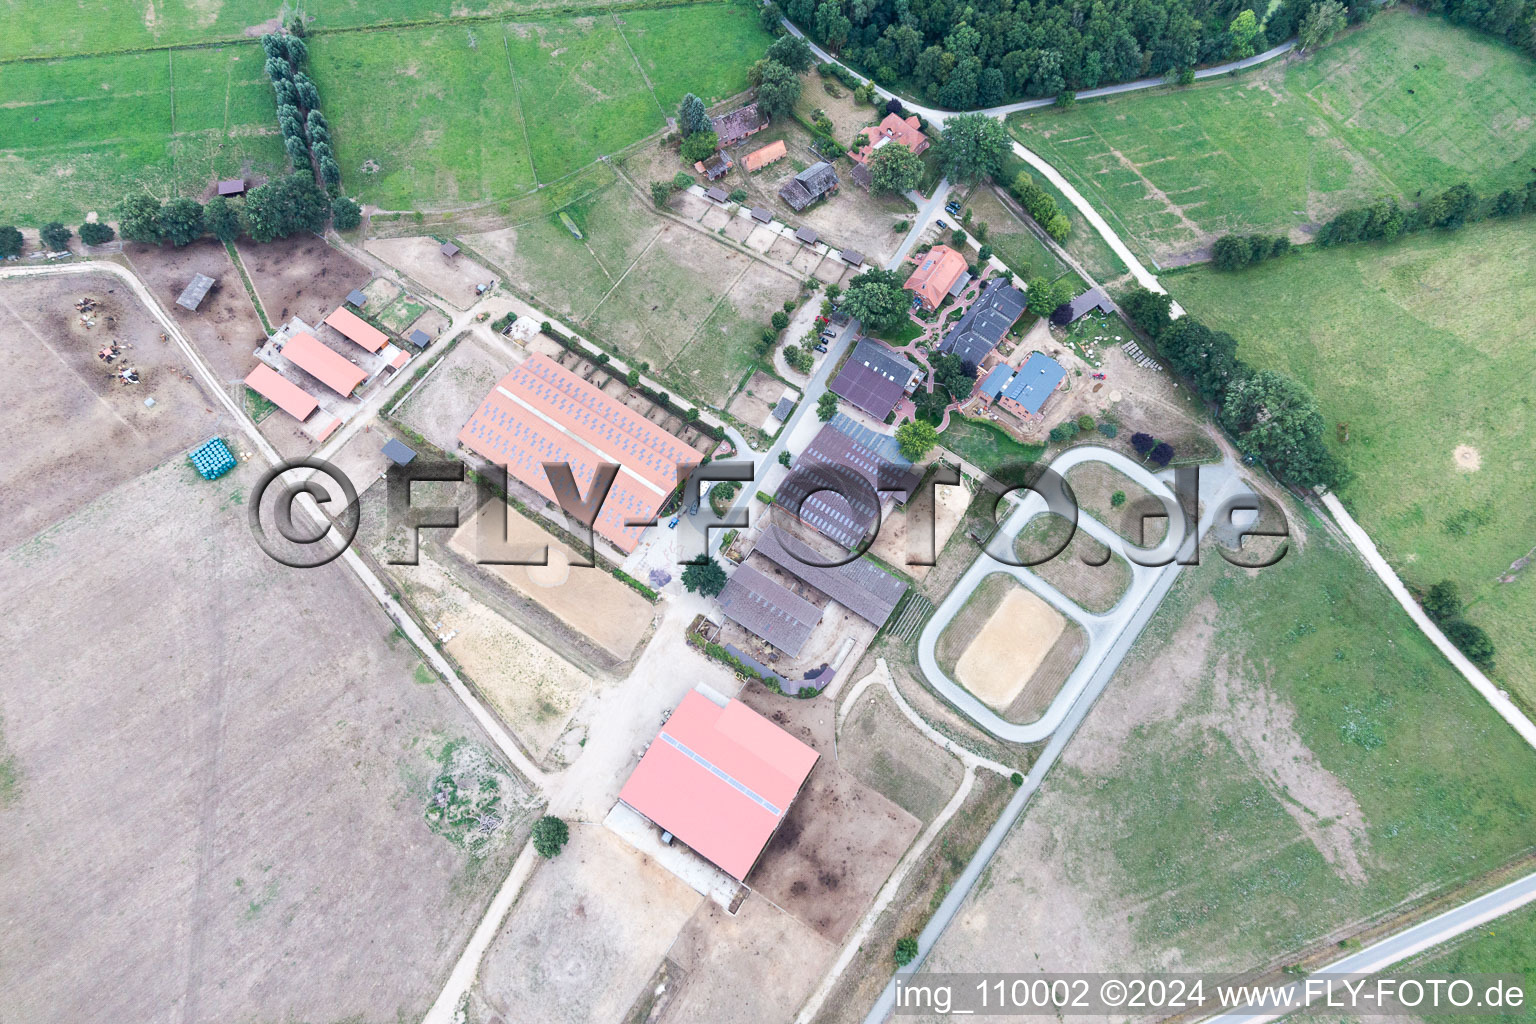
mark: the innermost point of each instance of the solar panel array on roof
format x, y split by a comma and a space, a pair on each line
883, 445
861, 586
541, 412
769, 609
1036, 380
845, 518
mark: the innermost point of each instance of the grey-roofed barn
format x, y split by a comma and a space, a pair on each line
985, 323
193, 294
852, 257
768, 609
420, 338
874, 378
716, 194
832, 454
449, 249
1093, 298
809, 185
783, 408
357, 298
761, 215
861, 586
397, 452
232, 187
806, 235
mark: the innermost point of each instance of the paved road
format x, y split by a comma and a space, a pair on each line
1103, 630
1216, 485
1411, 941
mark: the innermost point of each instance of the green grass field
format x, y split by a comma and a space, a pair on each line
423, 117
79, 133
1419, 346
667, 44
1310, 715
1012, 240
1293, 143
1505, 945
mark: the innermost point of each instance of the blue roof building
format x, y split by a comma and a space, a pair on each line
1032, 385
992, 385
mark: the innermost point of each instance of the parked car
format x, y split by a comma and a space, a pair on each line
942, 226
822, 347
952, 208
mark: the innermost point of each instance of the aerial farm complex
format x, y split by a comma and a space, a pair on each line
749, 513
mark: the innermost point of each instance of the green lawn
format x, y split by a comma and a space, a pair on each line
1419, 346
78, 133
1083, 243
581, 91
423, 117
1012, 240
1505, 945
984, 445
667, 43
1310, 716
1406, 103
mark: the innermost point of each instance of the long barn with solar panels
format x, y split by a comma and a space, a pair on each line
541, 412
844, 445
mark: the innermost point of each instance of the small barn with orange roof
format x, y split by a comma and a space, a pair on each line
355, 328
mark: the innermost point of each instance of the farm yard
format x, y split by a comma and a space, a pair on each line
1405, 103
76, 134
1415, 348
1284, 738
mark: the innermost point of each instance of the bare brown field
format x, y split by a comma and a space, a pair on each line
74, 431
1006, 652
420, 258
439, 408
589, 600
1084, 570
1094, 484
300, 276
890, 544
586, 934
225, 328
228, 780
887, 753
840, 839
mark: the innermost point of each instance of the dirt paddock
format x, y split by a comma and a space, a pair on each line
421, 258
300, 276
588, 600
75, 432
1015, 640
225, 328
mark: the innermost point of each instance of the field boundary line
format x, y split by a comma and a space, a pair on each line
708, 317
1368, 551
632, 264
250, 286
522, 121
650, 87
170, 74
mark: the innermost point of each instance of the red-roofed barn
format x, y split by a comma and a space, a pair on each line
307, 353
721, 779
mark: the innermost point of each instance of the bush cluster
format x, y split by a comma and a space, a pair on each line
1233, 252
1041, 206
1385, 219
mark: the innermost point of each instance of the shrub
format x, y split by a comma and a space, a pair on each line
1085, 423
1443, 602
705, 577
681, 181
738, 195
1108, 429
1017, 778
1472, 641
699, 146
1161, 454
1117, 499
632, 378
55, 236
10, 241
1143, 443
906, 950
550, 835
96, 233
1064, 431
780, 320
660, 192
799, 358
345, 214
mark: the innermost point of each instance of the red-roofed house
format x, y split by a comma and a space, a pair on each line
541, 412
903, 132
721, 779
330, 368
357, 329
937, 271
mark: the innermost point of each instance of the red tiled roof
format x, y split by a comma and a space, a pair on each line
720, 779
894, 128
937, 271
281, 391
358, 329
307, 353
541, 412
760, 158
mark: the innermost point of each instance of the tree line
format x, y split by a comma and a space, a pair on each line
280, 208
1382, 221
962, 54
1273, 418
306, 134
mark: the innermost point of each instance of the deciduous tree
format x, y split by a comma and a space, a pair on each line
778, 88
973, 145
704, 577
222, 219
139, 218
916, 438
55, 236
876, 297
894, 169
